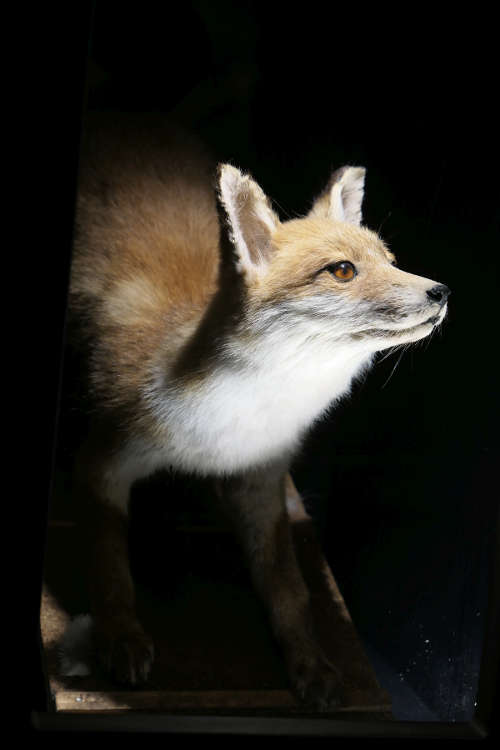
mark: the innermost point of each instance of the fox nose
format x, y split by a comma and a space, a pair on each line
438, 293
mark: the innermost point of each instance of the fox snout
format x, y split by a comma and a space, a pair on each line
439, 293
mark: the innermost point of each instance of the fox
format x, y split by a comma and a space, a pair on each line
215, 335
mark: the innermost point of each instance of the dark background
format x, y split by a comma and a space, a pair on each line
400, 478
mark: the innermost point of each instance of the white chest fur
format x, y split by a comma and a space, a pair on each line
240, 418
236, 419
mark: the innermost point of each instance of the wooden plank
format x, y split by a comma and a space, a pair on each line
171, 701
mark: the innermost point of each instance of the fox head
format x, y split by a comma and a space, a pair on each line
325, 274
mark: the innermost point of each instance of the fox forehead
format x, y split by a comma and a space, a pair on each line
303, 246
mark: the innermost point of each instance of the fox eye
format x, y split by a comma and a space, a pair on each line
344, 271
394, 263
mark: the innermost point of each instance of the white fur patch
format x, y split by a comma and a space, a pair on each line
248, 416
75, 649
136, 460
237, 419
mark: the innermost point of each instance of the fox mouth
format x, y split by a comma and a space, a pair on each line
430, 321
412, 329
408, 331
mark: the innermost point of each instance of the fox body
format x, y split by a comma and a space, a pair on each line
215, 336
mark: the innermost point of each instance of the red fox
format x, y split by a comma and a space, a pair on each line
215, 335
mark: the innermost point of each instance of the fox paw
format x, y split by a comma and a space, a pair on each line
316, 682
126, 654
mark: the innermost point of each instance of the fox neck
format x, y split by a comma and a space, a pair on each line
251, 397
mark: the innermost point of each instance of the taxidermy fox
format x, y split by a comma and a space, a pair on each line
215, 336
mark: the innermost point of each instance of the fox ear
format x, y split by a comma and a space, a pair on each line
342, 198
250, 218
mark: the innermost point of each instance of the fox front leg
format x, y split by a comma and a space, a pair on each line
255, 503
123, 648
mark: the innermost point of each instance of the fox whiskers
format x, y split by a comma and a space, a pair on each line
392, 351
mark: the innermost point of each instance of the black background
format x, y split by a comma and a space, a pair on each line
401, 477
